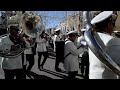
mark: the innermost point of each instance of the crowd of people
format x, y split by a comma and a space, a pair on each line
21, 65
71, 49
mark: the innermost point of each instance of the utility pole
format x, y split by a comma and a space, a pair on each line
66, 22
79, 25
46, 20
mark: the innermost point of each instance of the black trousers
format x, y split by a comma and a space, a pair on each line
57, 62
10, 74
59, 52
45, 55
72, 74
85, 68
30, 59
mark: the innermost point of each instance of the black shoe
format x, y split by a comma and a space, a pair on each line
58, 69
31, 77
86, 77
40, 68
82, 75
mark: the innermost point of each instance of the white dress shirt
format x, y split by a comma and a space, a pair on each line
41, 45
55, 38
28, 50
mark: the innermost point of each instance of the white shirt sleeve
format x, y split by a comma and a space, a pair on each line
27, 43
0, 41
79, 39
113, 49
73, 49
4, 46
56, 38
40, 40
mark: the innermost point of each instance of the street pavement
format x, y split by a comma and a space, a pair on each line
48, 72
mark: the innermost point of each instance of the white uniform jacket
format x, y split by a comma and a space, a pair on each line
55, 38
41, 45
112, 48
9, 63
71, 61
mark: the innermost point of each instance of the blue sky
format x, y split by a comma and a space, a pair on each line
54, 17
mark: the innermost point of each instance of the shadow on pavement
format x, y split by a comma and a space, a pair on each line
36, 76
58, 74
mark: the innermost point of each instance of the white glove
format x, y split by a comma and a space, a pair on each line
84, 43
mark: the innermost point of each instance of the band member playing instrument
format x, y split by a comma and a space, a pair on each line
103, 24
56, 43
29, 53
12, 66
84, 56
71, 53
42, 43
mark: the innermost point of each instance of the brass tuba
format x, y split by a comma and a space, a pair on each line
29, 24
92, 39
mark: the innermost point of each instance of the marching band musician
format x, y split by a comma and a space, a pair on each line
12, 66
56, 42
103, 24
29, 53
71, 53
42, 43
84, 56
56, 38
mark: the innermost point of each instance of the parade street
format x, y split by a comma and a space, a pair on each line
47, 73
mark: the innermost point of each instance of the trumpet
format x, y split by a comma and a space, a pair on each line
29, 24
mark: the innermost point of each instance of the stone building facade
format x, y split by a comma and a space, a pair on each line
3, 21
117, 23
73, 22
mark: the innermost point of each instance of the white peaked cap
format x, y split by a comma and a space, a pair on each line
16, 25
57, 30
101, 17
115, 31
83, 30
73, 32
